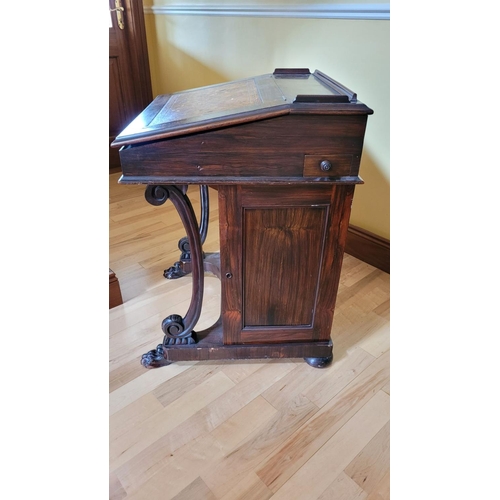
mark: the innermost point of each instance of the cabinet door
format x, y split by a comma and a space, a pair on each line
281, 255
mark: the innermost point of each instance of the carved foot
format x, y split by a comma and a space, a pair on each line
183, 266
154, 358
319, 362
175, 272
185, 341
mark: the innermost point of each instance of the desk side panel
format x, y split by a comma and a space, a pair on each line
230, 238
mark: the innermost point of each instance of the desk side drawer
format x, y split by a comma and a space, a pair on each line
327, 165
279, 148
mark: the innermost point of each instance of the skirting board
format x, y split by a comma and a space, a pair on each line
368, 247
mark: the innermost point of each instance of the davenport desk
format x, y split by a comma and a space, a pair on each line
283, 151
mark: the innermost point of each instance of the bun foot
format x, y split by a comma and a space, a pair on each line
319, 362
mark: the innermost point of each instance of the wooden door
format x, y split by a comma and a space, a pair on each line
129, 76
281, 260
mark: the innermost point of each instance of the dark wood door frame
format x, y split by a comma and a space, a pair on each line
136, 36
130, 45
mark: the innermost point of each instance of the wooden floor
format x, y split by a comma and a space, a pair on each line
248, 430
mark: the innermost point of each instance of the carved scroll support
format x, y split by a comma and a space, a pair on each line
178, 330
183, 265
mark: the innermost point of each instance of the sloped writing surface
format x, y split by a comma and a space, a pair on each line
237, 102
208, 101
214, 101
206, 108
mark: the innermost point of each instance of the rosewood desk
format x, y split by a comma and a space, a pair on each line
283, 151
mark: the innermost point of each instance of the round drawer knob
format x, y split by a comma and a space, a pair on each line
325, 165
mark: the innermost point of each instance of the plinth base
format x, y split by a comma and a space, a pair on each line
211, 347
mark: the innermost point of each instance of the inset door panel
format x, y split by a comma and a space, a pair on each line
281, 253
281, 264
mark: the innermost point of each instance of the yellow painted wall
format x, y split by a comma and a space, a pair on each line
188, 51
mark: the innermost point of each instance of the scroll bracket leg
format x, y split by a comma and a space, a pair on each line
178, 330
183, 266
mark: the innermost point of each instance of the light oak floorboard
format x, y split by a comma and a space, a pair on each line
343, 488
197, 489
147, 382
372, 463
206, 421
382, 491
152, 470
338, 376
116, 491
249, 488
310, 480
231, 430
225, 474
140, 437
304, 443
